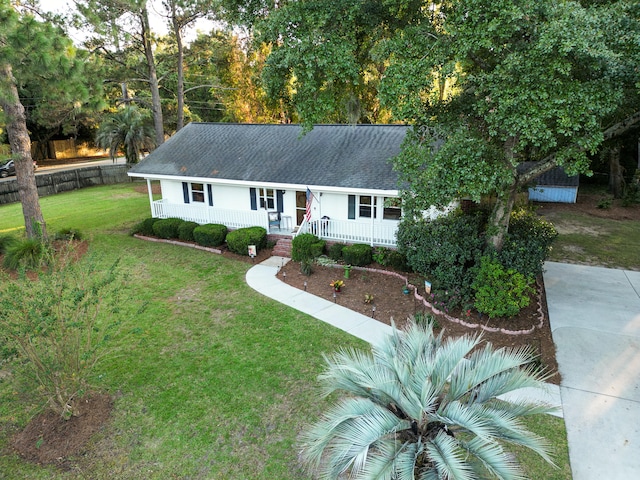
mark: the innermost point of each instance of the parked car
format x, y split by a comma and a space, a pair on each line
9, 168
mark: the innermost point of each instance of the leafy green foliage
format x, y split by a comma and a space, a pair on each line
167, 227
335, 251
500, 292
239, 240
359, 254
528, 243
129, 129
60, 324
444, 250
390, 257
257, 350
145, 227
449, 70
210, 234
185, 231
417, 406
306, 246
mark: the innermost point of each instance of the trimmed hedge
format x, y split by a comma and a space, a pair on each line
145, 227
167, 227
239, 240
210, 234
358, 254
185, 231
306, 246
335, 251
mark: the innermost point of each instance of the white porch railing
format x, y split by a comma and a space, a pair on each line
348, 231
203, 214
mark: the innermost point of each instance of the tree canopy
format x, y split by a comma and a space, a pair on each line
35, 56
490, 87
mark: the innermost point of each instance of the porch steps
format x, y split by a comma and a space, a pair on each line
282, 248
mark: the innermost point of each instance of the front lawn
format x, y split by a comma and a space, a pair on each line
210, 378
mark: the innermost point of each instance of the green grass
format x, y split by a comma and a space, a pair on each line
210, 378
593, 240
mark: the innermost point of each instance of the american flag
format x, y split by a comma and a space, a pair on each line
307, 213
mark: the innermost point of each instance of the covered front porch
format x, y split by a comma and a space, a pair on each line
345, 231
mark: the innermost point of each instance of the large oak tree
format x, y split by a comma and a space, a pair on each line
499, 92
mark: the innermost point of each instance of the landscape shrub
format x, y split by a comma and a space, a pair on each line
61, 325
210, 234
68, 234
185, 231
145, 227
239, 240
359, 254
335, 251
6, 241
527, 244
388, 257
306, 246
306, 266
29, 253
444, 250
167, 228
500, 292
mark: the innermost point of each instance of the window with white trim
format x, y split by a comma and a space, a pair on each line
392, 208
197, 192
366, 202
267, 198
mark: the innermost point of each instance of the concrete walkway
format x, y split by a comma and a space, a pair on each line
595, 319
262, 278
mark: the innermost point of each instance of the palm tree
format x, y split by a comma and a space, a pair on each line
423, 407
128, 129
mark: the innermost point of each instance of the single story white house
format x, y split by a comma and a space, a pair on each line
244, 175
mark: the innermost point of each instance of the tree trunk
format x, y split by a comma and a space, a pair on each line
616, 177
156, 104
180, 70
20, 142
499, 220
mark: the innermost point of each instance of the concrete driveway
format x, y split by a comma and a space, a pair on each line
595, 319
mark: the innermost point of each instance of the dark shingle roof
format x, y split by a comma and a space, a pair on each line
350, 156
555, 177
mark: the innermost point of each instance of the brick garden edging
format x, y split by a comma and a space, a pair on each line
448, 317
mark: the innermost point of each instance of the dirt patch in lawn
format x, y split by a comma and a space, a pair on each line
48, 439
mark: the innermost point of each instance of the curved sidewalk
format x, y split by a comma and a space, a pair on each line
263, 278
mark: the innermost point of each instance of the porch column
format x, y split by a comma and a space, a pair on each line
150, 192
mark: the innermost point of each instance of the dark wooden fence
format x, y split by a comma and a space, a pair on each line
66, 180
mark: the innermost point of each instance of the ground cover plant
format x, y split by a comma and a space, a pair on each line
208, 378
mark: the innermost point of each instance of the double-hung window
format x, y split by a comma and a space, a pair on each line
367, 206
267, 198
197, 192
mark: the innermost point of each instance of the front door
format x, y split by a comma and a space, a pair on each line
301, 206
